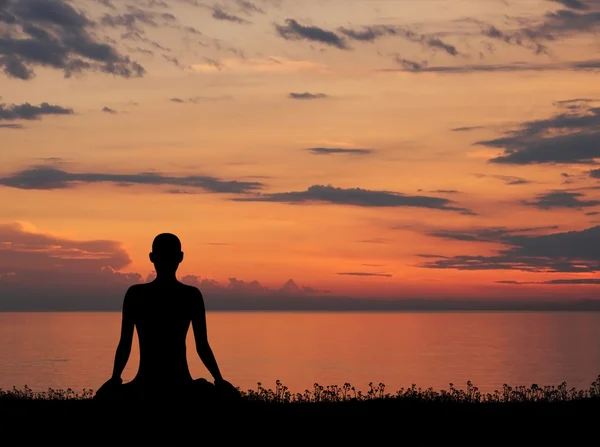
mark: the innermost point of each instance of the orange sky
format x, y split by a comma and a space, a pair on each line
395, 149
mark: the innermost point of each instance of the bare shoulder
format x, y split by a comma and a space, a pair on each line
136, 290
191, 291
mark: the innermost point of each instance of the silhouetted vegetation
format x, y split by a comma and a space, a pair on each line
348, 393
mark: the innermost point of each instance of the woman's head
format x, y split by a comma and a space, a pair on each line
166, 254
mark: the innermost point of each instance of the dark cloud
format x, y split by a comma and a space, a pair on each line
571, 251
500, 235
508, 179
292, 30
219, 14
356, 197
571, 281
595, 173
573, 4
336, 150
561, 199
48, 178
565, 138
592, 213
376, 240
248, 7
136, 19
374, 32
28, 111
408, 64
51, 33
586, 65
11, 126
367, 274
109, 110
307, 95
445, 191
466, 128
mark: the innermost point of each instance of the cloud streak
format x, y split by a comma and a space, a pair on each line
292, 30
356, 197
31, 112
338, 150
561, 199
307, 96
49, 178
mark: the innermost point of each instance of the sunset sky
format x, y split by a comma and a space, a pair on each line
377, 149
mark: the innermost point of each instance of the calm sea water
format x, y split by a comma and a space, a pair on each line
76, 350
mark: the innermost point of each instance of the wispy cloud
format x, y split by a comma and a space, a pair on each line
307, 96
561, 199
30, 112
338, 150
356, 197
49, 178
219, 14
365, 274
292, 30
507, 179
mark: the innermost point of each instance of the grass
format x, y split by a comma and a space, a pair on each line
320, 415
348, 393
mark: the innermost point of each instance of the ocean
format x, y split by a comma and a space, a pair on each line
429, 349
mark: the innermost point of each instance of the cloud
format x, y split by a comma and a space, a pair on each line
466, 128
109, 110
292, 30
307, 95
273, 65
508, 179
570, 251
573, 4
566, 138
40, 271
11, 126
374, 32
198, 99
376, 240
561, 199
30, 112
337, 150
49, 178
366, 274
413, 67
51, 33
135, 19
570, 281
248, 7
219, 14
355, 197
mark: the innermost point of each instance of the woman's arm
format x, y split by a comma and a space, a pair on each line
201, 336
124, 347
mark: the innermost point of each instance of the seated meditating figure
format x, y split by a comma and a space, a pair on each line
161, 311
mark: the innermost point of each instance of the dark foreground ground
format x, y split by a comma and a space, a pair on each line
546, 415
88, 422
